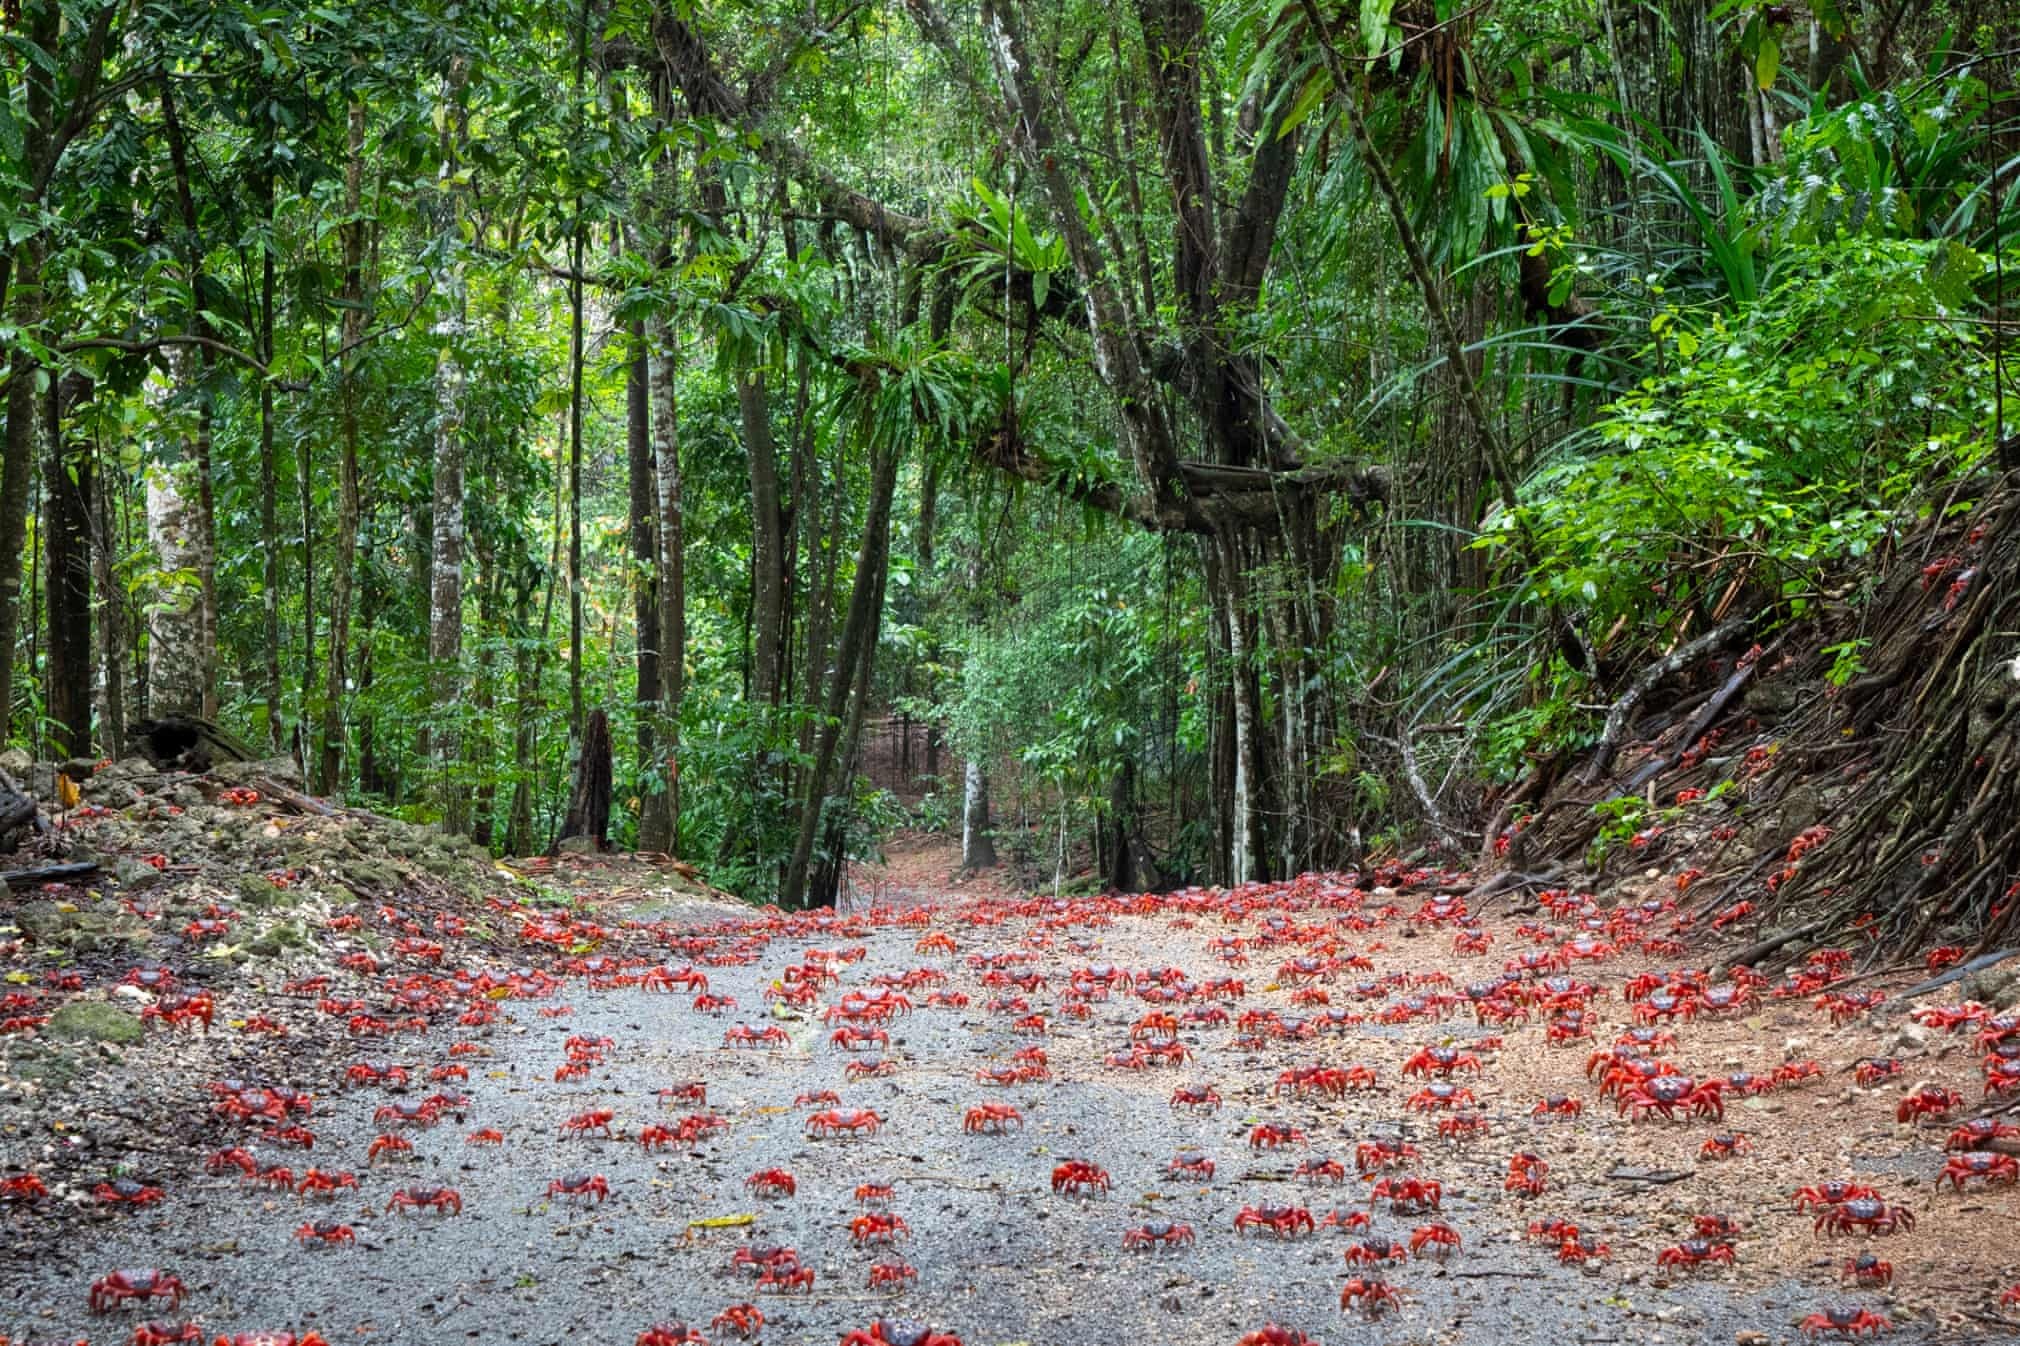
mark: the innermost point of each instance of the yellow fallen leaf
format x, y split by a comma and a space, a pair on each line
499, 993
66, 907
19, 978
66, 791
722, 1222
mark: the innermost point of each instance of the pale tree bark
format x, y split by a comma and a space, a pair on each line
445, 609
978, 841
342, 580
662, 369
175, 663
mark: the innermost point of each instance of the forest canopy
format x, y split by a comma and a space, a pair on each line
1220, 436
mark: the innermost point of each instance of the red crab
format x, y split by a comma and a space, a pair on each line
583, 1123
127, 1192
388, 1145
1079, 1176
115, 1288
771, 1182
1979, 1132
855, 1121
879, 1226
1283, 1221
580, 1186
1195, 1096
1725, 1145
1694, 1253
885, 1275
1664, 1094
1441, 1061
1845, 1322
326, 1232
743, 1035
161, 1332
1374, 1298
1158, 1234
992, 1118
1864, 1213
1558, 1105
1867, 1270
1436, 1096
1931, 1100
319, 1182
1271, 1334
1374, 1251
1270, 1135
1408, 1195
899, 1332
1373, 1155
1191, 1164
1876, 1070
670, 1334
1979, 1164
271, 1339
1439, 1237
745, 1320
446, 1200
1826, 1194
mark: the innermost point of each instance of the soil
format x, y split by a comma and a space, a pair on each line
1000, 1258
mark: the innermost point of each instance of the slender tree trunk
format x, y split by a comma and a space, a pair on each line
767, 538
202, 529
519, 825
17, 466
111, 618
978, 840
270, 519
445, 615
643, 524
859, 638
67, 537
175, 664
350, 331
661, 371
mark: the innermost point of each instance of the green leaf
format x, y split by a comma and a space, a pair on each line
1767, 61
1375, 24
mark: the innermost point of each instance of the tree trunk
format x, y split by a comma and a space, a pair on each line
270, 519
589, 800
350, 332
653, 821
1121, 859
66, 528
859, 639
175, 663
767, 537
112, 651
445, 608
661, 372
17, 466
978, 839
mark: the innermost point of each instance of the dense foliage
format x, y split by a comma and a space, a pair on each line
1241, 428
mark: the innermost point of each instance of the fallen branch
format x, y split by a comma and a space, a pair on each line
1644, 682
1958, 973
1753, 953
29, 878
